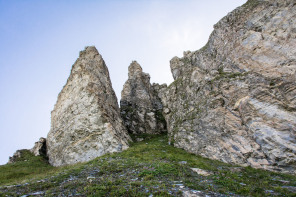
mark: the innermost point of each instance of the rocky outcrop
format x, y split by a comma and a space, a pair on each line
141, 108
234, 100
18, 156
85, 122
39, 148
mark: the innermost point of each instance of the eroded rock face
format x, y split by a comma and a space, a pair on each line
234, 100
141, 108
85, 122
39, 148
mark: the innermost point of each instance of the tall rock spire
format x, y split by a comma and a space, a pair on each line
85, 122
141, 108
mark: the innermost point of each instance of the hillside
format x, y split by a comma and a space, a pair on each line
150, 167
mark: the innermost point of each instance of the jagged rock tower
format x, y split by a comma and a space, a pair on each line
140, 106
85, 122
234, 100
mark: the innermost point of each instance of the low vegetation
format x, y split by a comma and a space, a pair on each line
150, 167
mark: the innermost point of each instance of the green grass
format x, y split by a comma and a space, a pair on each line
26, 167
148, 167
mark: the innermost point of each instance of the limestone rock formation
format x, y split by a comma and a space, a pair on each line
85, 122
140, 106
234, 100
39, 147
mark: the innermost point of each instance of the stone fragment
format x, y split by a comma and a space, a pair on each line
85, 122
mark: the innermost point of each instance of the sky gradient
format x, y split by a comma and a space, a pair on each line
40, 41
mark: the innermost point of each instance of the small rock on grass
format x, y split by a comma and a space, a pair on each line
201, 171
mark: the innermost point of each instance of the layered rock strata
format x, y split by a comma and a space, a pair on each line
234, 100
141, 108
85, 122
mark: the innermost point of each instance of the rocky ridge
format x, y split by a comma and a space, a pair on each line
141, 108
234, 100
85, 122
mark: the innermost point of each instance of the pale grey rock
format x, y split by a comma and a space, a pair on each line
201, 171
85, 122
188, 193
39, 148
234, 100
140, 105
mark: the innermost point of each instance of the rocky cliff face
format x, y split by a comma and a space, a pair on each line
234, 100
85, 122
141, 108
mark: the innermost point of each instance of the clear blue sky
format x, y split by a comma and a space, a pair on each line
40, 40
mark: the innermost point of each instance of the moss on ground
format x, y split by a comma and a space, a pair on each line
148, 167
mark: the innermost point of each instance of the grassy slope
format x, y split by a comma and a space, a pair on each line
149, 167
26, 167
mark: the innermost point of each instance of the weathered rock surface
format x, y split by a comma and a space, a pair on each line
85, 122
141, 108
39, 148
234, 100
